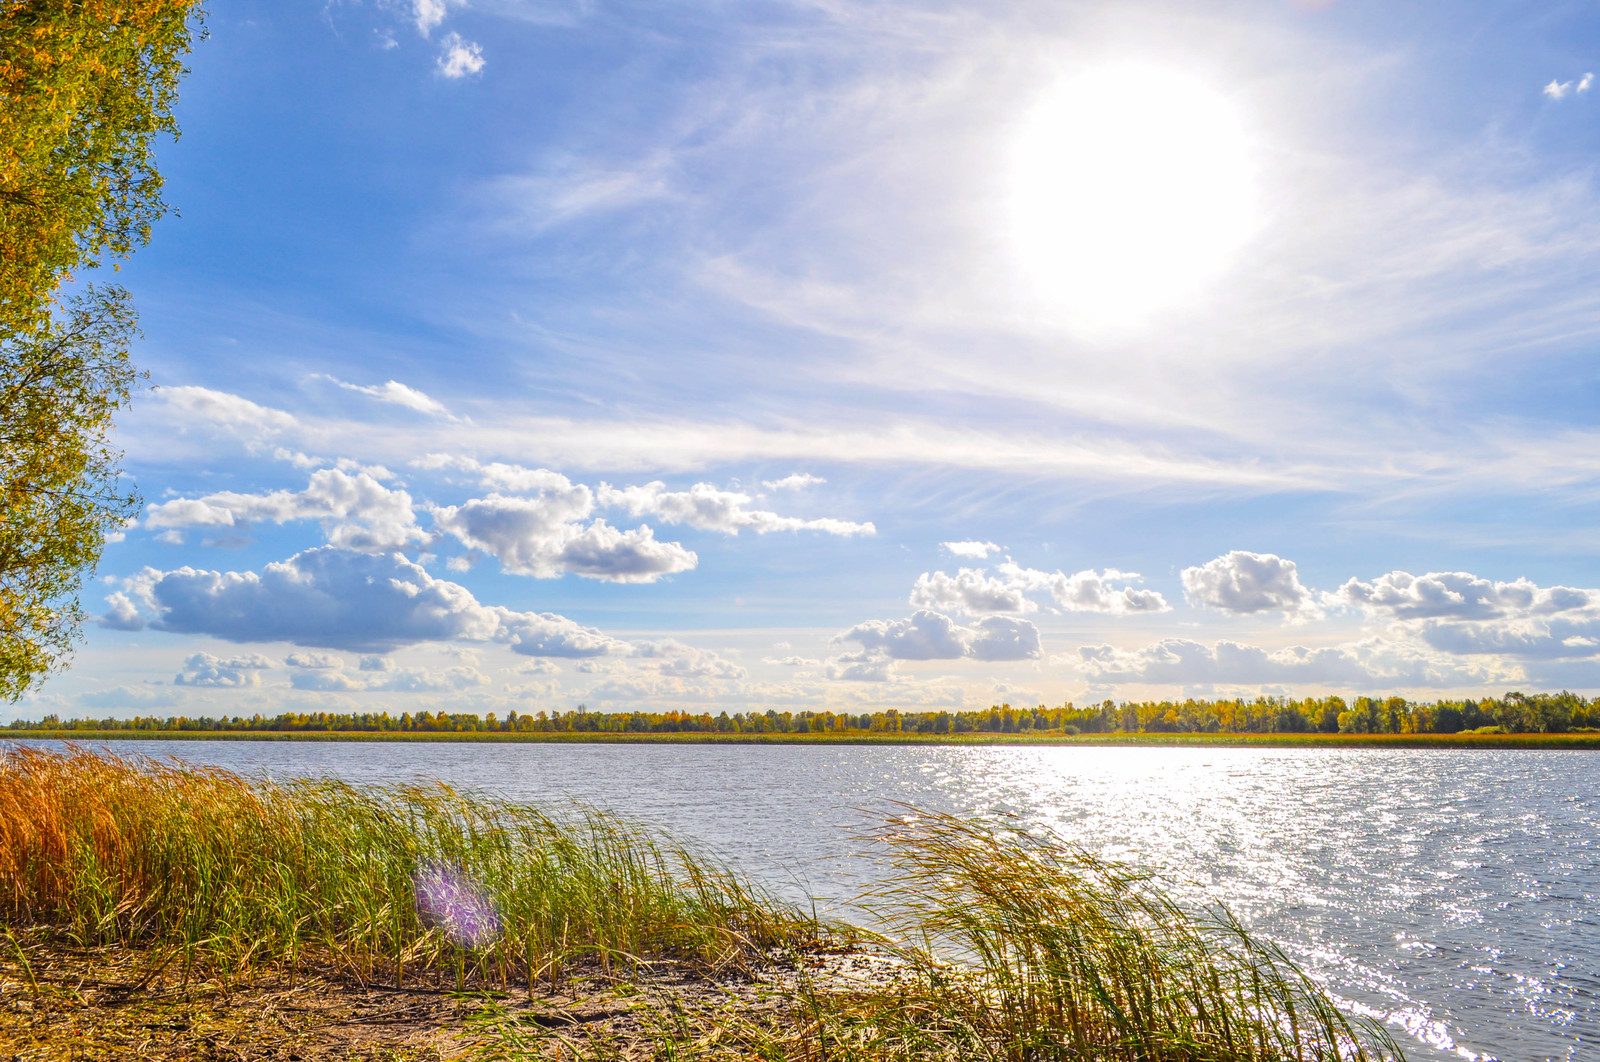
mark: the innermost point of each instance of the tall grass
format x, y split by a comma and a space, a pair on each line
242, 872
1020, 947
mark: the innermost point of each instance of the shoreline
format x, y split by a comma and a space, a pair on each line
1571, 741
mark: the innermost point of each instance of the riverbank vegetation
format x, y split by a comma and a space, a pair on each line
1514, 713
991, 942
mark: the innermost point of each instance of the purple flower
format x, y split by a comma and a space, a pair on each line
448, 898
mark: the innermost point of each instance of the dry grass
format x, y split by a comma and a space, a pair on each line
240, 874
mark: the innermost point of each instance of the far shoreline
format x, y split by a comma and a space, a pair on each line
1581, 741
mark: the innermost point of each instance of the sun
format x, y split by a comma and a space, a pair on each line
1131, 190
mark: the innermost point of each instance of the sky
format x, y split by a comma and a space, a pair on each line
824, 355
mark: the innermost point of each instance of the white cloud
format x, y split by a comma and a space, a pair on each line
498, 475
970, 590
341, 599
393, 392
543, 537
427, 15
794, 481
326, 597
970, 550
1560, 89
1003, 638
865, 666
394, 680
1183, 662
930, 635
710, 508
121, 614
1461, 613
356, 512
673, 659
1460, 595
1090, 590
924, 635
314, 661
236, 672
228, 411
792, 661
545, 634
974, 591
1242, 582
459, 58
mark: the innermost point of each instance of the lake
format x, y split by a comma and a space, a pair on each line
1451, 893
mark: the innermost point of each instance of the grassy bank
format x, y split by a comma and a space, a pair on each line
991, 943
1587, 740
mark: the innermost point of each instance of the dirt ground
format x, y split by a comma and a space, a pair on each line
65, 1004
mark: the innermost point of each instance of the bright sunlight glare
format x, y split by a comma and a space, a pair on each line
1132, 187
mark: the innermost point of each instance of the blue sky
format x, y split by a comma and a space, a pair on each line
833, 355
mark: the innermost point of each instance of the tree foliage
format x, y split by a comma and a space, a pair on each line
86, 86
1515, 713
60, 489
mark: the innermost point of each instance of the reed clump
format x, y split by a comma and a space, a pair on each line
391, 881
1019, 946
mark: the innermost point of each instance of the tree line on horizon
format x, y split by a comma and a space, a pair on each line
1515, 713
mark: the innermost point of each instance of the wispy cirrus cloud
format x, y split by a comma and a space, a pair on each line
392, 392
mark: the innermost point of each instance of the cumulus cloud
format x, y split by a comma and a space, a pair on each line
314, 661
930, 635
793, 481
545, 634
1003, 638
1461, 613
121, 614
356, 512
394, 680
1558, 89
865, 666
458, 57
235, 672
971, 550
342, 599
393, 392
1181, 661
924, 635
546, 535
976, 592
1242, 582
545, 538
710, 508
1091, 590
673, 659
970, 590
1460, 595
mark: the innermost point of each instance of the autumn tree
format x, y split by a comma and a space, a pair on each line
86, 88
60, 489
